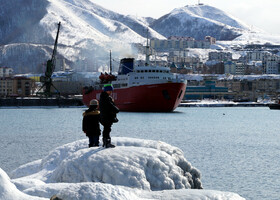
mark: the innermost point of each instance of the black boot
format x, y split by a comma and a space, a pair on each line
107, 143
104, 142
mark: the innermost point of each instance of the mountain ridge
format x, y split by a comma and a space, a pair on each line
89, 31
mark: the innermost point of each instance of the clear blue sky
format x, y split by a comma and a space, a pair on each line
264, 14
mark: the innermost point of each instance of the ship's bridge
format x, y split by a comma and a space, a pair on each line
143, 75
151, 69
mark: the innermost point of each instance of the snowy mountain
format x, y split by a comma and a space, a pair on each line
88, 32
136, 169
199, 21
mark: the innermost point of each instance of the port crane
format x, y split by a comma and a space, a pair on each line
47, 78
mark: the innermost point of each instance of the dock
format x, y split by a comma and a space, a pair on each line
59, 102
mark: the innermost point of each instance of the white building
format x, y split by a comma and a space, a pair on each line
272, 64
220, 56
257, 55
230, 67
6, 71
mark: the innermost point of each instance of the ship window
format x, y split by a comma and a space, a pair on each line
150, 71
154, 70
146, 70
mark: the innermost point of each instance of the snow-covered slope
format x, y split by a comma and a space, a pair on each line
135, 169
89, 31
199, 21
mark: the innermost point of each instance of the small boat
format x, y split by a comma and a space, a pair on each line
275, 105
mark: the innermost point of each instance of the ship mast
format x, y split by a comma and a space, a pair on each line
110, 69
147, 63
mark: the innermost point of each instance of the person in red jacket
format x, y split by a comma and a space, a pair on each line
91, 127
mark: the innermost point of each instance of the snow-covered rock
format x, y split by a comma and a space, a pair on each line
148, 165
135, 169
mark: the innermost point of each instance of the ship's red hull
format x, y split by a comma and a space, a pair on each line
163, 97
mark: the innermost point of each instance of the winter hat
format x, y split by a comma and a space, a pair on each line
108, 87
93, 102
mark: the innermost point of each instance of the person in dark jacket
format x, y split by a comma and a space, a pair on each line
108, 113
91, 128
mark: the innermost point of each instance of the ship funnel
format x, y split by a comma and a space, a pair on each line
126, 66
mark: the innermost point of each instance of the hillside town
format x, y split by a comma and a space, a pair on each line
212, 73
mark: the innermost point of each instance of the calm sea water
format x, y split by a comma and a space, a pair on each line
236, 149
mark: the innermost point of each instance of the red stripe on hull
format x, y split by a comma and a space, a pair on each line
146, 98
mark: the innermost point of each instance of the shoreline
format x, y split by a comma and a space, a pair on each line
223, 104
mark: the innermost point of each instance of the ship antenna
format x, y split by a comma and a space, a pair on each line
147, 51
110, 69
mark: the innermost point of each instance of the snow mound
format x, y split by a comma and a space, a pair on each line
135, 169
136, 163
8, 190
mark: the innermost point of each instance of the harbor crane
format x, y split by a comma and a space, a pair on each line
47, 78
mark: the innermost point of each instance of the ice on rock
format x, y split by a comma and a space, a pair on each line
136, 169
142, 164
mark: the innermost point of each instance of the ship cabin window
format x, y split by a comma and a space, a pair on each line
153, 70
153, 77
146, 70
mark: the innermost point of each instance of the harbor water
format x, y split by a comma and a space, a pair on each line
236, 148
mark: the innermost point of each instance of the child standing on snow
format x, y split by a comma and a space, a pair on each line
108, 114
91, 128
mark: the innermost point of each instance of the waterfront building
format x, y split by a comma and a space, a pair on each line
207, 91
15, 86
6, 86
68, 87
251, 87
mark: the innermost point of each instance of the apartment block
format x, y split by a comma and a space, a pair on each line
6, 71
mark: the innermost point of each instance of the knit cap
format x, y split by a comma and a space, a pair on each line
108, 87
93, 102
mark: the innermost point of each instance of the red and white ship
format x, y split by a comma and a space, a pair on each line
141, 88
